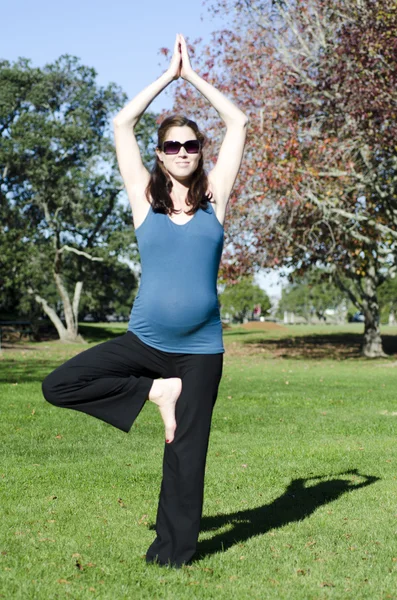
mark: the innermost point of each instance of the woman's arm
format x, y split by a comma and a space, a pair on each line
223, 175
133, 171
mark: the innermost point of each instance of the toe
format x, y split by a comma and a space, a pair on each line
168, 416
169, 434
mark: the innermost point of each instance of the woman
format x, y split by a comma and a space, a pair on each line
172, 353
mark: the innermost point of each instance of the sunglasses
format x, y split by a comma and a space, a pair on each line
191, 147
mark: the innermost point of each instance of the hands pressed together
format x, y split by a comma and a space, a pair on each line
180, 63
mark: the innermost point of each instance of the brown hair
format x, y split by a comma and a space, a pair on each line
160, 184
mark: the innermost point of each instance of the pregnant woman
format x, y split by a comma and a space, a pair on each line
172, 353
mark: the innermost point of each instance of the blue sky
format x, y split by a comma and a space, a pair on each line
119, 39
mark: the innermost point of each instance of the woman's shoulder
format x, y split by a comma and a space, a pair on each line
214, 208
140, 211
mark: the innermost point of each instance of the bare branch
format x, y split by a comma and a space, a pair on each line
80, 252
333, 173
49, 311
351, 216
340, 283
76, 299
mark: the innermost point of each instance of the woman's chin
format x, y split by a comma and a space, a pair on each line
182, 174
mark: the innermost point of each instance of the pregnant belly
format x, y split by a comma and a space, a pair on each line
177, 311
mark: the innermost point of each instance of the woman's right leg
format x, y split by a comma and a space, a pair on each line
110, 381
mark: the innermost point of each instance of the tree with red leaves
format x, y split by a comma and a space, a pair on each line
318, 80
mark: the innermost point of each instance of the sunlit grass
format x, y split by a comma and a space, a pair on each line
300, 496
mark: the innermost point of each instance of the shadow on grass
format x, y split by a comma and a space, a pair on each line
298, 502
335, 346
97, 334
16, 366
91, 333
17, 372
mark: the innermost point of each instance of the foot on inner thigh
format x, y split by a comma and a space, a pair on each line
165, 393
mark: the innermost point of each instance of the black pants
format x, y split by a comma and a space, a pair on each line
111, 381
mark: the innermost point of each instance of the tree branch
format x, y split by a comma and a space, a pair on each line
50, 312
76, 299
347, 290
80, 252
352, 216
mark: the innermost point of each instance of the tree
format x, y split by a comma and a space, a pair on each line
145, 134
64, 224
388, 300
110, 290
312, 295
343, 94
317, 79
239, 300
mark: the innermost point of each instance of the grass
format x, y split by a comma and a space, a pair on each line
300, 498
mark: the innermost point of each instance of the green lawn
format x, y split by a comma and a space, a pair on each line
301, 483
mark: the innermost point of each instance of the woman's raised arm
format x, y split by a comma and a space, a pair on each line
134, 173
223, 175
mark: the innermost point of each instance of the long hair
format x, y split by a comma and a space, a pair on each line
160, 183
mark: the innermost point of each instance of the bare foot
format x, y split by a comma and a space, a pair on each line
165, 393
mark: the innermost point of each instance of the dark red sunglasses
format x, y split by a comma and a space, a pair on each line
191, 147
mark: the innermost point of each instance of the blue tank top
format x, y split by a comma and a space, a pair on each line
176, 308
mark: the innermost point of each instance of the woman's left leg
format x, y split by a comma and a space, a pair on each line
182, 488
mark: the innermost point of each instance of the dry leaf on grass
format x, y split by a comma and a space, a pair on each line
143, 520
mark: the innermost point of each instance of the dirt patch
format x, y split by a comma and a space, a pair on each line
241, 350
299, 348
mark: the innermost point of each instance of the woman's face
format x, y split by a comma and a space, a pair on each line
182, 165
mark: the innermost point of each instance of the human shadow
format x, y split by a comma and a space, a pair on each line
298, 502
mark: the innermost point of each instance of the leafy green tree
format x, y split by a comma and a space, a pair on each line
310, 295
64, 224
388, 299
110, 291
145, 133
239, 300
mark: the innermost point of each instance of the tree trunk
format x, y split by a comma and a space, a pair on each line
71, 324
76, 300
366, 299
70, 333
372, 343
63, 333
50, 312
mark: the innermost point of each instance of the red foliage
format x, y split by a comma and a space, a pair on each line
318, 85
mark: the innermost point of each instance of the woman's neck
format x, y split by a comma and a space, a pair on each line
179, 191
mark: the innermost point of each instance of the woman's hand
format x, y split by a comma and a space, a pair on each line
176, 61
186, 68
